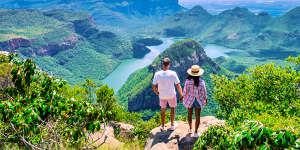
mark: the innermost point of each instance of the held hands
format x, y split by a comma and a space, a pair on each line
157, 93
205, 102
181, 99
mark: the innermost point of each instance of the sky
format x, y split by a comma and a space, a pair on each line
274, 7
257, 1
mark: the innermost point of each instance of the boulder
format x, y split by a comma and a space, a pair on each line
109, 140
179, 139
122, 130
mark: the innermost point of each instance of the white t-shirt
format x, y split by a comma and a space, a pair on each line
165, 81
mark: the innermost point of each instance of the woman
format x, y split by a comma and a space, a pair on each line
195, 97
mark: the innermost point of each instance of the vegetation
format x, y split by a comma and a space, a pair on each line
41, 111
35, 114
67, 44
116, 16
269, 96
252, 135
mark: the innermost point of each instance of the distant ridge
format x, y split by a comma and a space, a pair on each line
236, 28
106, 12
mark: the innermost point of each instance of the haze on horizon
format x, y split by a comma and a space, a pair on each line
222, 1
274, 7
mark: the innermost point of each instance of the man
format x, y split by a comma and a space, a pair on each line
166, 79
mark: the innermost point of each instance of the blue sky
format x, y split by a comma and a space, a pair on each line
255, 1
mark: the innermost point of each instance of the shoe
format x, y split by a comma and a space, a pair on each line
173, 127
196, 135
162, 129
190, 131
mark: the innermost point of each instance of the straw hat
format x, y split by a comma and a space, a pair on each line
195, 70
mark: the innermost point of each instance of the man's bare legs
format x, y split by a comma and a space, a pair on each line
197, 113
190, 117
162, 116
172, 116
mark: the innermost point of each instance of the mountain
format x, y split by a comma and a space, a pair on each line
136, 94
256, 38
229, 27
186, 22
117, 13
65, 43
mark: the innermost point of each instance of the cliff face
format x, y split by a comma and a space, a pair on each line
13, 44
183, 55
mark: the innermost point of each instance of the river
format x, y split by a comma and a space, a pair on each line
120, 75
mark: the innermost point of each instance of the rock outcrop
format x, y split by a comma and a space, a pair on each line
13, 44
123, 130
108, 138
179, 139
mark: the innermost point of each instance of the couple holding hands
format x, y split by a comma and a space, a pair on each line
194, 94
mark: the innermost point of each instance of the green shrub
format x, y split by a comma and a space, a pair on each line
266, 90
34, 113
215, 137
268, 95
252, 135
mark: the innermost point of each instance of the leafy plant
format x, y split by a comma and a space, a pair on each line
252, 135
34, 104
266, 89
269, 95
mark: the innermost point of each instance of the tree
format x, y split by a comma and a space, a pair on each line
266, 93
34, 113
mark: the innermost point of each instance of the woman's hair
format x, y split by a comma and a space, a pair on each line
195, 78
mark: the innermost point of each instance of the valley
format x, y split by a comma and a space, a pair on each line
119, 76
77, 74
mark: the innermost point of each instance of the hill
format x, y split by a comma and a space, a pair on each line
258, 38
137, 93
111, 13
65, 43
237, 28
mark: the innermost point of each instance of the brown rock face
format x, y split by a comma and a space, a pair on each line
179, 139
45, 50
14, 44
52, 49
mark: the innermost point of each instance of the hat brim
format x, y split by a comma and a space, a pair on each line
201, 71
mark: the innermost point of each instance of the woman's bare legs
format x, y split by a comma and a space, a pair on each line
197, 114
190, 117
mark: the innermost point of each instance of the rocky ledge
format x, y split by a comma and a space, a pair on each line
179, 139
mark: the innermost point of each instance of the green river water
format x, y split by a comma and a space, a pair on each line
120, 75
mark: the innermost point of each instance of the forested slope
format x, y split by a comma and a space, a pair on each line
136, 94
65, 43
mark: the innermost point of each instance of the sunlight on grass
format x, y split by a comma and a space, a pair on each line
6, 37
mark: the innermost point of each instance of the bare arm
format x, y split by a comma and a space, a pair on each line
178, 86
204, 92
155, 89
